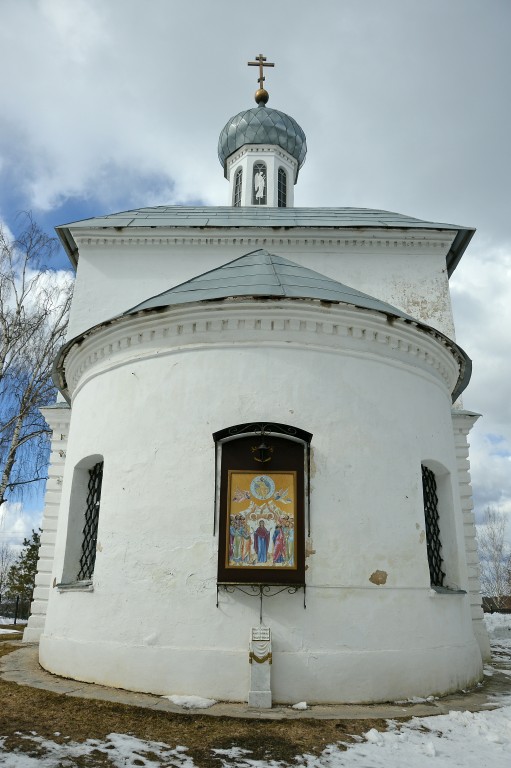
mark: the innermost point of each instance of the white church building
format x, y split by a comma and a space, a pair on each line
259, 485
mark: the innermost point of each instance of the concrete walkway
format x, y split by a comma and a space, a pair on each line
22, 667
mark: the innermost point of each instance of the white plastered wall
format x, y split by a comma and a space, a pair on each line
377, 402
57, 418
463, 421
118, 270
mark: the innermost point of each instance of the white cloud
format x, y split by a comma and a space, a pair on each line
403, 105
145, 90
17, 521
78, 27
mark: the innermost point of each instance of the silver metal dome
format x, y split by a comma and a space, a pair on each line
262, 125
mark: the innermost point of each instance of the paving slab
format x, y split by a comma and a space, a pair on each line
22, 667
115, 695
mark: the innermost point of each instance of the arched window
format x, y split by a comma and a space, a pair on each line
432, 520
282, 188
237, 188
82, 535
259, 184
91, 519
262, 495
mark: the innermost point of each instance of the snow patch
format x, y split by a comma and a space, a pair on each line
495, 621
417, 700
10, 620
190, 702
233, 752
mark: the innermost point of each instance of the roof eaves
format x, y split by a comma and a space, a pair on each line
458, 248
69, 245
298, 219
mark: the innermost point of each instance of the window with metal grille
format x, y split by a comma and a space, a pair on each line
238, 179
259, 184
90, 529
282, 188
432, 517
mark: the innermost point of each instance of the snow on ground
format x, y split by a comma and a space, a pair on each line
497, 622
459, 739
122, 750
190, 702
10, 620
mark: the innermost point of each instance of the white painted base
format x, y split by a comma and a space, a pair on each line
348, 676
259, 699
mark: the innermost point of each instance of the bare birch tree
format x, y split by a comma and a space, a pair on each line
494, 556
34, 308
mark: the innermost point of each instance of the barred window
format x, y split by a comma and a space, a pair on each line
282, 188
238, 179
432, 518
90, 529
259, 184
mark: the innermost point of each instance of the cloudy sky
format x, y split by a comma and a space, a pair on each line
109, 105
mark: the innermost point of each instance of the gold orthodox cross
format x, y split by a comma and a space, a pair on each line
260, 61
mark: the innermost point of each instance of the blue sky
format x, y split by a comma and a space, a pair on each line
118, 105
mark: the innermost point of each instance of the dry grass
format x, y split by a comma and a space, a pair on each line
24, 710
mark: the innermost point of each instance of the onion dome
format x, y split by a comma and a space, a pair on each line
262, 125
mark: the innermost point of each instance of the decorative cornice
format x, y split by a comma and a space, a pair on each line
463, 421
249, 149
304, 324
423, 243
58, 419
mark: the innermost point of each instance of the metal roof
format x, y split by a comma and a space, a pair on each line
260, 274
264, 274
262, 125
274, 218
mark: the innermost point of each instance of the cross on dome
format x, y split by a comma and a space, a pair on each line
261, 95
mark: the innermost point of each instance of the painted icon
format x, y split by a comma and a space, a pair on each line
261, 520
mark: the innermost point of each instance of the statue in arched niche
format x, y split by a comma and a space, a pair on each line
259, 184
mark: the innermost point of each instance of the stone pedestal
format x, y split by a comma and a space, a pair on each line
260, 659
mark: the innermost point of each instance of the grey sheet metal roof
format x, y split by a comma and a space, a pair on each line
260, 274
264, 274
275, 218
262, 125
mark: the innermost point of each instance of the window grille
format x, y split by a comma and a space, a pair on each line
237, 188
90, 529
259, 184
432, 517
282, 188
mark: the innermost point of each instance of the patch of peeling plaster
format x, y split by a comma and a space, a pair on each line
378, 577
